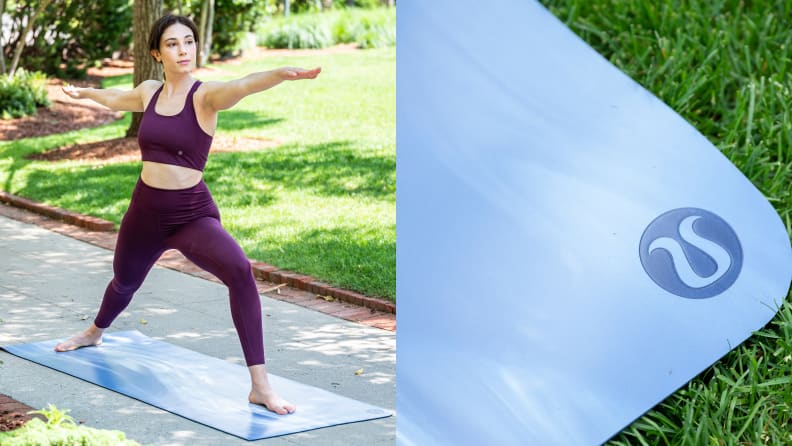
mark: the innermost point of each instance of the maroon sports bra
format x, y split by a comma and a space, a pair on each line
174, 139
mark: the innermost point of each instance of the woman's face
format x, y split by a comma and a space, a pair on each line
177, 50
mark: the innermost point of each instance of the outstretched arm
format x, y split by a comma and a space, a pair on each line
224, 95
112, 98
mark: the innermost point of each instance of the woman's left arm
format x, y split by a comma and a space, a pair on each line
224, 95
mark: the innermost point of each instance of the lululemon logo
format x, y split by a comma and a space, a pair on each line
691, 252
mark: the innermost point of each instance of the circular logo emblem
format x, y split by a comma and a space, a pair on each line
691, 252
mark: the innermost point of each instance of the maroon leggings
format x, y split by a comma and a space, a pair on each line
187, 220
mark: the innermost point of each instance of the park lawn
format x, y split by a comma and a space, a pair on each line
725, 67
322, 203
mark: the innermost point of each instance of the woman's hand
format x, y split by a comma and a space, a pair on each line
295, 73
74, 92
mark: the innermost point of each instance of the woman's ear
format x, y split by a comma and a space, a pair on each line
156, 55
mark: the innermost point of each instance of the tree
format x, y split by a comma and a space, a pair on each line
2, 52
145, 13
205, 28
66, 36
21, 42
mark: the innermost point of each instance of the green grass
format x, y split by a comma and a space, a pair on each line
322, 203
725, 67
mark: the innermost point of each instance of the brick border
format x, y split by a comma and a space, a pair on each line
270, 273
85, 221
296, 288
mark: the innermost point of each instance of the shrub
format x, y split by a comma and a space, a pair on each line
292, 35
60, 430
371, 28
346, 28
357, 3
22, 93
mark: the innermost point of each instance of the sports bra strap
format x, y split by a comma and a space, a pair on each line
187, 101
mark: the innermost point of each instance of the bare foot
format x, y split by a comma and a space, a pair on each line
272, 402
90, 337
264, 395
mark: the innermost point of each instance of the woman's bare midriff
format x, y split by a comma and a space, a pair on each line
168, 176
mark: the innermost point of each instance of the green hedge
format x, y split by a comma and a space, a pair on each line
369, 28
22, 93
303, 35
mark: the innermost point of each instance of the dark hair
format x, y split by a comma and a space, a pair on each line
163, 23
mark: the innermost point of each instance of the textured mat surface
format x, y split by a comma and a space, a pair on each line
570, 250
204, 389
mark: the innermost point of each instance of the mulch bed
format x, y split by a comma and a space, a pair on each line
64, 115
10, 420
14, 414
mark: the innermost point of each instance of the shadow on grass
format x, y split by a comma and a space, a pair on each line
16, 165
230, 120
353, 260
17, 150
329, 169
103, 191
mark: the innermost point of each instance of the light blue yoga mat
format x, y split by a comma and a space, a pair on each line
570, 250
207, 390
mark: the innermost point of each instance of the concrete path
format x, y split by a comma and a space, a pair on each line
51, 286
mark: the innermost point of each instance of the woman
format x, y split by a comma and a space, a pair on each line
171, 207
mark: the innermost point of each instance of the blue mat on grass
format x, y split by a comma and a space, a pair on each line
588, 251
207, 390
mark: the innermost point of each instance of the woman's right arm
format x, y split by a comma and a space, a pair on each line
114, 99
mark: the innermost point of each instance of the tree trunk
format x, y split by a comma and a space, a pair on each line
23, 40
286, 8
207, 33
205, 28
202, 28
145, 13
2, 48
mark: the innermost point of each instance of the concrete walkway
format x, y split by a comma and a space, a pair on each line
51, 285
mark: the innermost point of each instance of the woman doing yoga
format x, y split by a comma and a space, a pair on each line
171, 207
